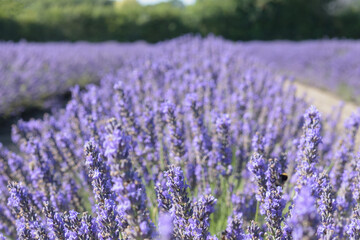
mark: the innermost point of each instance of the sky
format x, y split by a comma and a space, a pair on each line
157, 1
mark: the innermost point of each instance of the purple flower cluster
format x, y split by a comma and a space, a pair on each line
188, 140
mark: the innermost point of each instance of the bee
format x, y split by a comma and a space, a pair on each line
280, 181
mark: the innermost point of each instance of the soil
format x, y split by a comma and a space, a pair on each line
324, 100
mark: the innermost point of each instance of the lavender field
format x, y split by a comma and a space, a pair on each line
333, 65
192, 138
32, 74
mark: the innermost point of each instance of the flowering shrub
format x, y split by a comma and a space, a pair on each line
186, 142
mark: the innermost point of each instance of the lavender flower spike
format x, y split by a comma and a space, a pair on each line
27, 221
326, 207
274, 206
182, 209
222, 145
110, 223
176, 134
163, 198
54, 221
200, 222
258, 167
307, 155
353, 229
126, 114
127, 185
234, 229
345, 149
165, 226
304, 220
253, 232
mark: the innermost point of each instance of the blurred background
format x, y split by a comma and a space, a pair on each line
154, 20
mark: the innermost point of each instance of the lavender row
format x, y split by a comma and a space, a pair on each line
190, 140
329, 64
31, 73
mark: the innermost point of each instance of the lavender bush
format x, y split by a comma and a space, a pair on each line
187, 141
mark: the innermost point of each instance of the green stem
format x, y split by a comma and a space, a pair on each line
257, 212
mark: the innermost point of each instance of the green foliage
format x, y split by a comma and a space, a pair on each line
127, 20
346, 92
265, 19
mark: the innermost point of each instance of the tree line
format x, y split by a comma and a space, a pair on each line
127, 20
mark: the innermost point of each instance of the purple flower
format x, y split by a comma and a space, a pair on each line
304, 220
234, 228
200, 222
117, 145
307, 155
165, 226
345, 149
175, 133
163, 197
258, 167
127, 185
254, 232
181, 206
26, 219
257, 143
326, 207
55, 222
72, 225
107, 215
222, 145
273, 207
201, 140
353, 229
126, 113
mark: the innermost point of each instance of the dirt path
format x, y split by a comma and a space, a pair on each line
324, 100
